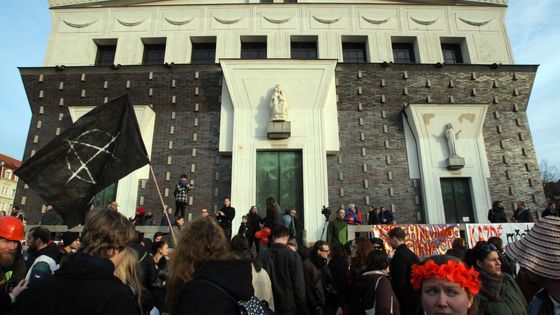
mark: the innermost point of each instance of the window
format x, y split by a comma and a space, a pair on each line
203, 53
403, 53
452, 53
8, 174
305, 48
105, 54
354, 52
253, 48
290, 1
265, 1
154, 53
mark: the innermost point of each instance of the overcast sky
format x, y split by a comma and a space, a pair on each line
534, 32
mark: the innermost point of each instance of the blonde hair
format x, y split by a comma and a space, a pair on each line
128, 271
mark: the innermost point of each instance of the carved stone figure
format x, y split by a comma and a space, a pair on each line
278, 105
452, 137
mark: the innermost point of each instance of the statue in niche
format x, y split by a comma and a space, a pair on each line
452, 138
278, 105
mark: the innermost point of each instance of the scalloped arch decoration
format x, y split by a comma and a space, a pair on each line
377, 22
326, 21
175, 22
224, 21
277, 21
125, 23
79, 25
474, 23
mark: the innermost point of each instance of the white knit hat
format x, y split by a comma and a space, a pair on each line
539, 250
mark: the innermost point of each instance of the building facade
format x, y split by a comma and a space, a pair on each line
8, 182
415, 107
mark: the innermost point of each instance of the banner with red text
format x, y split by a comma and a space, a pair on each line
508, 232
423, 239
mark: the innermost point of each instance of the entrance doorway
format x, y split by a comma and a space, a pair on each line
280, 175
457, 201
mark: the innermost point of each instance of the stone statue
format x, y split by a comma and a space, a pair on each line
278, 105
452, 137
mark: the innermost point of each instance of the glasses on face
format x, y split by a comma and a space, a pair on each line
487, 248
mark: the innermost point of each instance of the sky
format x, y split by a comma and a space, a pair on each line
534, 33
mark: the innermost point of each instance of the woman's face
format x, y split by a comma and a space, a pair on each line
491, 264
444, 297
164, 251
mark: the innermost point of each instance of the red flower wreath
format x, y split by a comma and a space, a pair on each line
453, 271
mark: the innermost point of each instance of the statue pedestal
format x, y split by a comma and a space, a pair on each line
276, 130
455, 163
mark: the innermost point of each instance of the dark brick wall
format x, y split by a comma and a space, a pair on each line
380, 91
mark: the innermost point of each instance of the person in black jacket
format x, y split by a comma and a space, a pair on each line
286, 274
207, 278
86, 284
273, 214
373, 218
254, 221
400, 271
497, 214
225, 216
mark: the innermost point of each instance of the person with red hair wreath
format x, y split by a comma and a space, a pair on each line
446, 284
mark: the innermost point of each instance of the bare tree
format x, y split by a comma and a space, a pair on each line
549, 177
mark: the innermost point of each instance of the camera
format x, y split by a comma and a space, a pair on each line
326, 211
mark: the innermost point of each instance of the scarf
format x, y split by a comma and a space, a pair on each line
491, 286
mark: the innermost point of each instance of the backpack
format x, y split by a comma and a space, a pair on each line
371, 311
252, 306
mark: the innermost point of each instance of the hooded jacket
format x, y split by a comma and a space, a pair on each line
85, 285
200, 297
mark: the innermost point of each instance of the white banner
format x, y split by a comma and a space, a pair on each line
508, 232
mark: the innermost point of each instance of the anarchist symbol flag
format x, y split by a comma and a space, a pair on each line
100, 148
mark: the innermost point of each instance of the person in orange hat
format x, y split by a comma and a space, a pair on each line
11, 232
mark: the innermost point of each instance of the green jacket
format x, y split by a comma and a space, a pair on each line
337, 232
513, 303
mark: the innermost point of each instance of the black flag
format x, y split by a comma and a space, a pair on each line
100, 148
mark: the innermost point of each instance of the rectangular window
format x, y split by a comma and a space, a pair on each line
403, 53
105, 54
253, 50
203, 53
265, 1
452, 53
304, 49
154, 54
354, 52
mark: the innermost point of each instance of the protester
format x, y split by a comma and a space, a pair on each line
508, 265
167, 220
497, 214
140, 217
522, 214
338, 268
352, 216
244, 227
11, 233
160, 255
337, 231
447, 285
400, 269
373, 287
359, 251
289, 222
175, 231
197, 284
44, 257
86, 284
128, 271
254, 222
225, 216
182, 189
313, 268
261, 280
373, 219
273, 216
385, 216
377, 244
499, 294
204, 213
550, 210
158, 236
114, 206
538, 255
50, 217
286, 274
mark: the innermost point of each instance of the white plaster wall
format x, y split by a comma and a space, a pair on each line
309, 87
73, 30
127, 189
428, 123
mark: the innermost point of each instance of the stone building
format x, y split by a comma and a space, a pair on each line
367, 90
8, 182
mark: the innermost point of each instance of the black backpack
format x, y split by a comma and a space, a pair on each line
252, 306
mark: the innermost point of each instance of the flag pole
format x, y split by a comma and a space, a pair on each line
163, 205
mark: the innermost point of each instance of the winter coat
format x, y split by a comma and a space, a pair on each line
254, 223
84, 285
497, 215
401, 267
226, 219
512, 303
286, 274
541, 304
44, 263
352, 217
314, 292
337, 232
338, 266
201, 297
386, 215
386, 302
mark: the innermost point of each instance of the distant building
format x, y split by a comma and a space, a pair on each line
412, 105
8, 182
